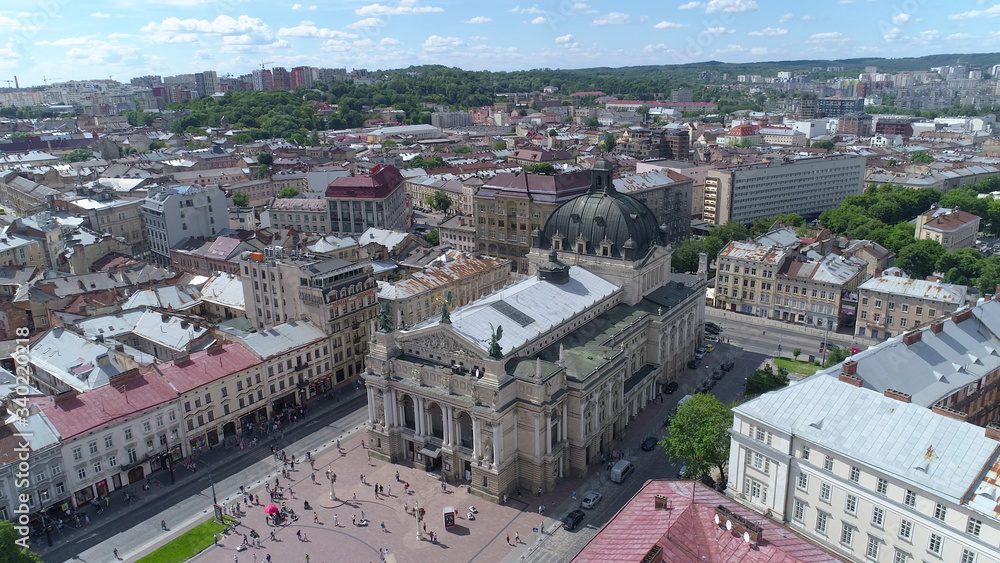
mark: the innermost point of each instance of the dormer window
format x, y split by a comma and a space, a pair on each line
606, 247
557, 242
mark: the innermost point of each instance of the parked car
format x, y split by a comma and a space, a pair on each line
709, 383
591, 500
709, 348
682, 471
710, 330
728, 365
648, 444
670, 387
711, 337
700, 353
712, 326
717, 374
573, 519
693, 364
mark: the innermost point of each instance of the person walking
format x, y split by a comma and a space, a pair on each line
390, 490
508, 539
298, 534
116, 554
315, 517
216, 539
517, 538
307, 558
354, 519
336, 523
314, 478
383, 526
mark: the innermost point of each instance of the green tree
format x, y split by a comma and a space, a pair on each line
462, 149
699, 436
643, 112
592, 122
763, 380
989, 279
608, 142
827, 145
439, 201
522, 112
919, 258
796, 353
20, 135
541, 168
241, 199
288, 193
433, 237
499, 146
963, 266
433, 162
416, 162
265, 158
78, 155
835, 356
263, 171
921, 157
389, 144
314, 139
13, 552
731, 231
892, 162
685, 257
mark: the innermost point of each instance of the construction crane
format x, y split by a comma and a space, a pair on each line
46, 80
263, 63
9, 82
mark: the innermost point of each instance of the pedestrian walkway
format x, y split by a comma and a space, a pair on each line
179, 513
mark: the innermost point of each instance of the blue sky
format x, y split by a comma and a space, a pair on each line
74, 39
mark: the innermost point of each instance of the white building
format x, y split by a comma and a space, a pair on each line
176, 213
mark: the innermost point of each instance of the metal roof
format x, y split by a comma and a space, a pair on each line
923, 289
283, 338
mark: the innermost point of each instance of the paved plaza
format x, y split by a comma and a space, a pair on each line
325, 541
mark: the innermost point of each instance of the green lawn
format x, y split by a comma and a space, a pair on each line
191, 543
796, 366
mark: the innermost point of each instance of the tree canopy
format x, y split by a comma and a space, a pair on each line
439, 201
288, 192
14, 553
699, 436
78, 155
241, 199
541, 168
433, 237
766, 379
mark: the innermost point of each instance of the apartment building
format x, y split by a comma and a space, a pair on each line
646, 144
46, 489
667, 194
806, 186
422, 295
296, 359
459, 232
24, 196
892, 303
953, 228
745, 276
336, 296
303, 215
511, 206
834, 106
119, 217
781, 136
451, 119
258, 192
176, 213
811, 292
359, 202
461, 192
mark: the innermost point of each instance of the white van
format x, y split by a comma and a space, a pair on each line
682, 401
622, 470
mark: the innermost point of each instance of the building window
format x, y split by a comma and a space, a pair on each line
934, 544
97, 466
108, 442
822, 519
881, 486
851, 505
932, 313
93, 447
940, 512
871, 551
81, 473
855, 474
803, 482
805, 452
825, 492
910, 498
974, 527
878, 303
131, 455
755, 490
145, 427
967, 556
77, 454
760, 462
799, 510
906, 307
828, 463
847, 535
905, 529
864, 300
112, 461
878, 516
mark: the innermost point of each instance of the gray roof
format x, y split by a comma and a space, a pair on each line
73, 360
283, 338
923, 289
785, 237
527, 309
939, 364
916, 445
623, 220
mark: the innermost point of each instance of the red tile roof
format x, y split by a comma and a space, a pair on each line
948, 221
202, 368
366, 186
687, 531
125, 396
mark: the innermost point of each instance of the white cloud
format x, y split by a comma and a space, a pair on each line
667, 25
585, 8
195, 2
478, 38
539, 20
719, 30
769, 31
689, 6
963, 36
307, 29
900, 18
568, 38
892, 34
480, 19
534, 10
100, 15
11, 25
614, 18
827, 37
240, 31
730, 6
301, 7
119, 35
808, 18
930, 35
367, 23
786, 17
991, 12
390, 41
845, 1
82, 40
403, 8
758, 51
436, 44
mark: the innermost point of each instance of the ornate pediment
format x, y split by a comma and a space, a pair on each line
442, 341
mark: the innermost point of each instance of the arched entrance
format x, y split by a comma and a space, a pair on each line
436, 416
464, 428
409, 419
135, 474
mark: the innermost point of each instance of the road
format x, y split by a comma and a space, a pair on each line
751, 335
192, 497
560, 545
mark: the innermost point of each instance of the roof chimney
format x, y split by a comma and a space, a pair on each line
936, 327
962, 315
950, 413
912, 337
850, 367
898, 395
993, 431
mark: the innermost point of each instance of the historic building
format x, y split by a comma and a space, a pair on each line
533, 382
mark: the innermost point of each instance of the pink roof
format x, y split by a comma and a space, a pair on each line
659, 103
366, 186
591, 93
222, 248
687, 531
202, 368
124, 397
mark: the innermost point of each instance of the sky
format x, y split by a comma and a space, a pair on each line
59, 40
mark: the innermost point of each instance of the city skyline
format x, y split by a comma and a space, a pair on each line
61, 41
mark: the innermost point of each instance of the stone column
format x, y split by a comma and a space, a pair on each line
418, 417
538, 436
564, 423
583, 420
395, 409
548, 434
498, 444
387, 406
371, 407
475, 439
445, 427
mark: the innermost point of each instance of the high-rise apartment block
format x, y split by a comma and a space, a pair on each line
176, 213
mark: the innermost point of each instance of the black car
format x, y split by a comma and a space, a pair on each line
713, 326
727, 366
693, 364
670, 388
710, 330
648, 444
709, 383
573, 519
717, 374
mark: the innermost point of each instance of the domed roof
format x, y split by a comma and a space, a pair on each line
610, 223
